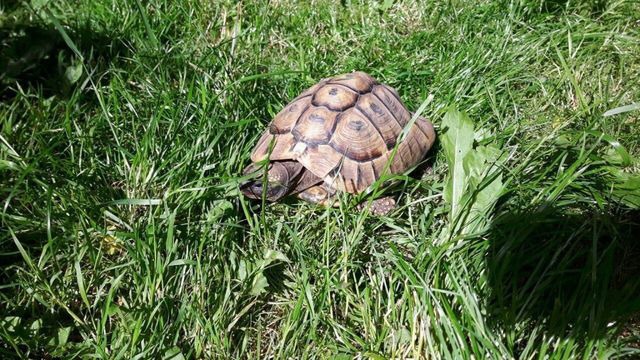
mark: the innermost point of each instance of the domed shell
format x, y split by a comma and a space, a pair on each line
344, 130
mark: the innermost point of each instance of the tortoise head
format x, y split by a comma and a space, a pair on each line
281, 179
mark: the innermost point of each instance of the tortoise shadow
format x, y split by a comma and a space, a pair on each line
572, 273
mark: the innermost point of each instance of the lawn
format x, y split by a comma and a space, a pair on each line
125, 126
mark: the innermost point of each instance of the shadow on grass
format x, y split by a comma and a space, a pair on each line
36, 56
9, 5
591, 8
571, 272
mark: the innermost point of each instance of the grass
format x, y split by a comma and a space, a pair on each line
126, 125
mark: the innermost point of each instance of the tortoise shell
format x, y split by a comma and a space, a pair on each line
344, 130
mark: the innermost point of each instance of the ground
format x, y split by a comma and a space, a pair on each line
126, 126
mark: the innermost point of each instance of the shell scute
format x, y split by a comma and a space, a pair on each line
287, 118
335, 97
357, 138
358, 81
315, 126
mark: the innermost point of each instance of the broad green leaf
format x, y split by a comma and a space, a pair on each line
625, 187
486, 179
73, 72
474, 182
37, 4
272, 255
35, 326
243, 272
61, 337
386, 5
456, 142
485, 199
623, 156
173, 354
10, 323
398, 338
219, 208
254, 270
259, 284
474, 165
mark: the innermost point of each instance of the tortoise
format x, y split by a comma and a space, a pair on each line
338, 135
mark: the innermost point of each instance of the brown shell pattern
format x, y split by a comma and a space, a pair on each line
344, 129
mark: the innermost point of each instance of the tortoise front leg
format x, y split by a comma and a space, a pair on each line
319, 194
324, 195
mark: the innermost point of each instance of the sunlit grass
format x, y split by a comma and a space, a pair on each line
126, 125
